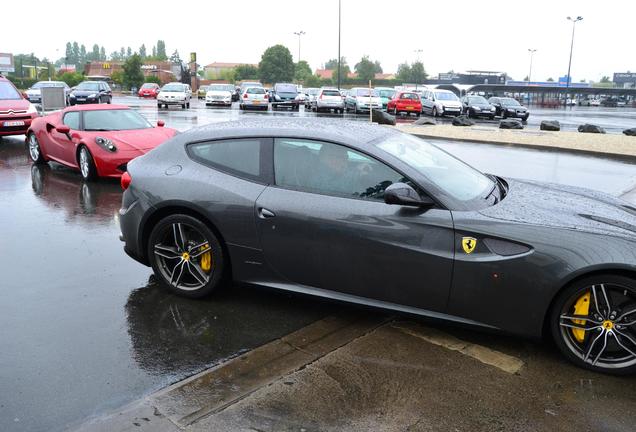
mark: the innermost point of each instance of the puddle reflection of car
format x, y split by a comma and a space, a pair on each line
59, 188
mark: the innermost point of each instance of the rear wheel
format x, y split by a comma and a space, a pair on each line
186, 256
434, 112
87, 164
34, 150
593, 323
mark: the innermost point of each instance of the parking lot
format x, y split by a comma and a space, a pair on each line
91, 332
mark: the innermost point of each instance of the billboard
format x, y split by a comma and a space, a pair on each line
624, 77
6, 62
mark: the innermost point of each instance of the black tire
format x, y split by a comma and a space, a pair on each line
492, 117
159, 106
503, 114
417, 115
434, 111
109, 100
35, 152
525, 118
188, 105
621, 295
195, 233
183, 106
89, 172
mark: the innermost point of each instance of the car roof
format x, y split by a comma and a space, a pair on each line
356, 134
96, 107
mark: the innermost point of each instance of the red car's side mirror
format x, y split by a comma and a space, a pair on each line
161, 123
24, 95
63, 129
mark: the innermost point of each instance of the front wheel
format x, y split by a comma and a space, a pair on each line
186, 256
109, 100
35, 151
434, 112
593, 322
87, 164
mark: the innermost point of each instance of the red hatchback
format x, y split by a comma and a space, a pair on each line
16, 113
405, 102
99, 140
149, 90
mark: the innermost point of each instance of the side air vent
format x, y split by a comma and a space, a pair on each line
505, 248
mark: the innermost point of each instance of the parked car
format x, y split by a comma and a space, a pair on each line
247, 84
385, 94
90, 92
329, 99
219, 94
312, 92
609, 102
202, 91
357, 213
477, 106
174, 93
284, 95
405, 102
589, 101
361, 99
98, 141
440, 103
236, 94
34, 94
508, 107
254, 97
150, 90
16, 112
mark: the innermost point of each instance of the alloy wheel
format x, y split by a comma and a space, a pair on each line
34, 148
84, 163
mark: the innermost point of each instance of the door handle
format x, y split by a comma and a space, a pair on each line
263, 213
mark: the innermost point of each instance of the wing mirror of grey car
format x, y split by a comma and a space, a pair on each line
403, 194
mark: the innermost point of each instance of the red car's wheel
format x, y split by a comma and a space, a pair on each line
87, 164
34, 149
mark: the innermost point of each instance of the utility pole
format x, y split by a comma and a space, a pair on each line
568, 79
339, 24
299, 34
531, 51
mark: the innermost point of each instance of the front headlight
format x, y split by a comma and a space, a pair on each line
106, 144
32, 109
476, 108
92, 95
510, 109
493, 109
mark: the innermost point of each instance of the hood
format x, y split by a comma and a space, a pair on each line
450, 103
136, 140
565, 207
84, 93
516, 107
480, 105
14, 104
33, 91
224, 93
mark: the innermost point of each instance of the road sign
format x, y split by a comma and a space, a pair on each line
6, 62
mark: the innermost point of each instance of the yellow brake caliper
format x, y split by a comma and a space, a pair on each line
581, 307
206, 259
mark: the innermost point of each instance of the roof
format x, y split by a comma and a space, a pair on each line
96, 107
324, 73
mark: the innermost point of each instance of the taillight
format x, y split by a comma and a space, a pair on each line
245, 96
125, 180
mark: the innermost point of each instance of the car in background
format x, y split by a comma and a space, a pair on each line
236, 94
361, 99
385, 94
150, 90
440, 103
254, 97
284, 95
99, 141
311, 93
174, 93
202, 91
477, 106
90, 92
508, 107
329, 99
405, 102
219, 94
34, 94
16, 112
589, 101
247, 84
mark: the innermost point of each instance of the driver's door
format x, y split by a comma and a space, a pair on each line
60, 147
334, 232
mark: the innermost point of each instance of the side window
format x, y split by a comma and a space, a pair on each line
241, 157
72, 119
330, 169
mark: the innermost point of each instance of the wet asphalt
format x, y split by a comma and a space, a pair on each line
85, 329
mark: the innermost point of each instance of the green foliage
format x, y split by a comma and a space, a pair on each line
605, 79
276, 65
418, 73
414, 73
229, 75
243, 72
142, 51
153, 79
312, 81
117, 77
71, 78
161, 50
302, 71
365, 68
550, 79
133, 76
22, 83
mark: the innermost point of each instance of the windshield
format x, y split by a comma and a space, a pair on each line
457, 179
509, 101
111, 120
251, 84
331, 93
8, 92
313, 91
365, 93
386, 93
92, 86
285, 88
479, 100
173, 88
445, 96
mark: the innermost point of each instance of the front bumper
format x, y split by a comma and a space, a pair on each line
451, 111
129, 219
367, 107
75, 100
516, 114
481, 113
286, 104
10, 125
172, 101
223, 102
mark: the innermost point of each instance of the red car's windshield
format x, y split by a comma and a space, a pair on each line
112, 120
8, 92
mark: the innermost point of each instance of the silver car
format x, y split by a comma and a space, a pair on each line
34, 93
441, 103
329, 99
254, 97
311, 93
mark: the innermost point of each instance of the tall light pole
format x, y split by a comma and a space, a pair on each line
299, 34
531, 51
574, 21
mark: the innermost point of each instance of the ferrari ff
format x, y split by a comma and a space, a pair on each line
99, 140
370, 215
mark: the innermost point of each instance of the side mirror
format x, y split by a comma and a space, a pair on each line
403, 194
24, 95
161, 123
63, 129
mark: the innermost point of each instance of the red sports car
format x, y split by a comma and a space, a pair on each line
16, 112
99, 140
149, 90
405, 102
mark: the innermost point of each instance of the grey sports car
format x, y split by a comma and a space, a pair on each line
367, 214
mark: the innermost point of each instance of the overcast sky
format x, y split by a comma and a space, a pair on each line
459, 35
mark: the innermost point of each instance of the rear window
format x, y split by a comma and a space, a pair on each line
331, 93
411, 96
238, 156
255, 90
286, 88
365, 92
8, 92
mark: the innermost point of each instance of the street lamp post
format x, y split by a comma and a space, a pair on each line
299, 34
574, 21
531, 51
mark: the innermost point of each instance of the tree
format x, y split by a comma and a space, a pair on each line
605, 79
133, 76
153, 79
75, 58
161, 50
550, 79
302, 71
82, 55
122, 54
175, 58
117, 77
312, 81
418, 73
403, 73
377, 67
102, 53
527, 78
129, 52
243, 72
71, 78
68, 55
365, 69
94, 55
114, 56
142, 51
154, 51
276, 65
